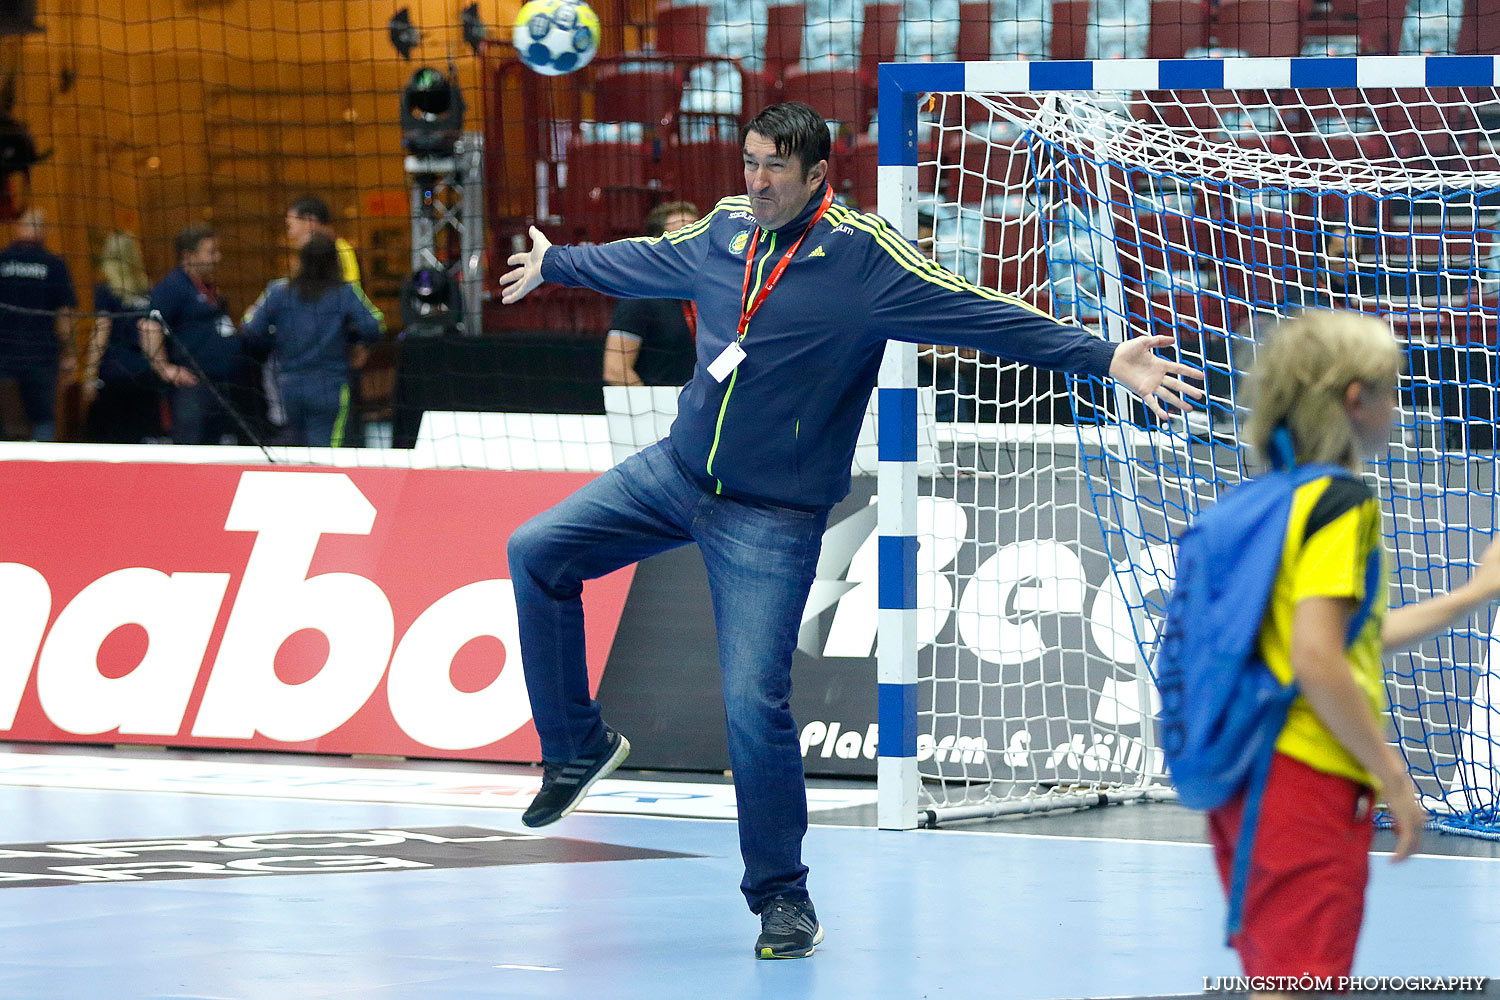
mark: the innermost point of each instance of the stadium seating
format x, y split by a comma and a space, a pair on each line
1070, 28
1176, 27
839, 95
783, 38
1480, 31
974, 30
611, 186
637, 91
878, 45
1014, 257
1258, 27
681, 32
612, 182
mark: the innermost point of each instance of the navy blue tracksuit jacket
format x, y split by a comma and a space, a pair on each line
783, 426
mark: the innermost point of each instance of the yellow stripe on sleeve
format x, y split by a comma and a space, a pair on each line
903, 253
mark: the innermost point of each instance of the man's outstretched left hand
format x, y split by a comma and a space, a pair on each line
1138, 367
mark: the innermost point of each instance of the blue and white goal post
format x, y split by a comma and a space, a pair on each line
1028, 521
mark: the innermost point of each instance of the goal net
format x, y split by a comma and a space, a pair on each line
1202, 199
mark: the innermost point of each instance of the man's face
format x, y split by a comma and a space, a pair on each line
775, 183
204, 258
299, 229
1337, 248
678, 220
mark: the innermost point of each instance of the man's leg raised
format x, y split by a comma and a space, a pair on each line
632, 511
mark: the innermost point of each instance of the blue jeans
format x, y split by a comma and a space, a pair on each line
316, 407
760, 560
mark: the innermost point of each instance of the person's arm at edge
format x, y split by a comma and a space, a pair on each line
98, 339
63, 322
364, 320
153, 346
1322, 671
620, 352
255, 328
1412, 624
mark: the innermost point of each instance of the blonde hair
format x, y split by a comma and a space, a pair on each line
1301, 375
122, 266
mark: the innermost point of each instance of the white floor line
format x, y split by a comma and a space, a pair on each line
380, 785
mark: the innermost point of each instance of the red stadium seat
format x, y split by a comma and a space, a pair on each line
637, 92
609, 189
1424, 124
981, 170
1070, 28
878, 44
1259, 27
838, 95
1176, 27
1337, 124
855, 174
681, 32
783, 38
704, 172
1166, 242
1480, 31
1015, 258
974, 30
1379, 23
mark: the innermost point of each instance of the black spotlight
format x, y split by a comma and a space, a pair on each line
430, 303
432, 113
473, 27
405, 36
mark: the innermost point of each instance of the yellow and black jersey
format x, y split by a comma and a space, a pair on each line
1333, 528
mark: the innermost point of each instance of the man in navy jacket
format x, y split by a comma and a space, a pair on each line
199, 340
796, 298
36, 332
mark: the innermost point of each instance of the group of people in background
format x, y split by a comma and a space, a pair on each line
169, 362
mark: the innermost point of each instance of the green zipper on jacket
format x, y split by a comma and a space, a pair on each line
724, 405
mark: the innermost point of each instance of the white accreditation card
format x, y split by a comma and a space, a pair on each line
727, 361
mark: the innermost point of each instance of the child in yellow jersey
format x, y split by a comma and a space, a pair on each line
1327, 381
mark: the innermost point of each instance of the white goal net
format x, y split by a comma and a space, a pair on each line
1046, 536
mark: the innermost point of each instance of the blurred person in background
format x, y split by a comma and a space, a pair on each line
309, 216
308, 324
198, 342
36, 322
122, 394
654, 341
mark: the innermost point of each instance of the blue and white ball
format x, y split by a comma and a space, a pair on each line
555, 37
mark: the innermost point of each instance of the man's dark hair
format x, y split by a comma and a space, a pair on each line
796, 129
656, 222
189, 238
311, 207
318, 269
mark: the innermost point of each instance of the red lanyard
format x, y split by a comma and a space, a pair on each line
765, 291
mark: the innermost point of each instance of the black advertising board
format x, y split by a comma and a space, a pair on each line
1030, 676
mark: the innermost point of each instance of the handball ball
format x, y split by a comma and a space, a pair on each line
555, 37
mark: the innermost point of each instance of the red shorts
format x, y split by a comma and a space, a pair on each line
1305, 898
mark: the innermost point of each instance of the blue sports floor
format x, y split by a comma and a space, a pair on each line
1010, 911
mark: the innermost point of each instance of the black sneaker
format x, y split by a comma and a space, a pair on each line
565, 785
789, 928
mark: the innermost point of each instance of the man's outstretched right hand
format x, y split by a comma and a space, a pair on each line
527, 269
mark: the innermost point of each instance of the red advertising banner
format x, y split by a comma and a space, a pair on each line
325, 610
